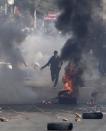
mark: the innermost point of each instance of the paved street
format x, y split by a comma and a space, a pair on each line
32, 118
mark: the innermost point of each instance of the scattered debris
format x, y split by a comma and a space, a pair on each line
65, 119
77, 117
43, 102
50, 101
46, 102
62, 118
2, 119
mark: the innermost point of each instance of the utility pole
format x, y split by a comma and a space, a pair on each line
35, 14
10, 3
5, 7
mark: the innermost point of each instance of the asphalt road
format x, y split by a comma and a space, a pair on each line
34, 118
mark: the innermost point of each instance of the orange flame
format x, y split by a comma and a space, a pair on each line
68, 84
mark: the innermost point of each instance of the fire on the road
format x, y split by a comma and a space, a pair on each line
68, 82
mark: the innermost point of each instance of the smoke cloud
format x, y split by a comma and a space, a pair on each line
38, 52
83, 21
76, 19
10, 40
12, 89
75, 16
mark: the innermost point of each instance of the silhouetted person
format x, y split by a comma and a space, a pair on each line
55, 64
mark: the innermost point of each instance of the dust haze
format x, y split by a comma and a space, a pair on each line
26, 53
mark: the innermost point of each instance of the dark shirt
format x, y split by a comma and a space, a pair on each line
54, 63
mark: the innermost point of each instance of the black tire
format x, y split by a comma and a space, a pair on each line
60, 126
95, 115
67, 100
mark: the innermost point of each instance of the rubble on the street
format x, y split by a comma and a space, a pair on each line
2, 119
77, 117
65, 119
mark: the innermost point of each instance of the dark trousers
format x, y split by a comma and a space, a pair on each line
55, 76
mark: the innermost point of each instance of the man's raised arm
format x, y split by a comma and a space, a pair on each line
47, 64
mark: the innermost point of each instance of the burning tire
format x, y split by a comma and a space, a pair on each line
59, 126
65, 98
95, 115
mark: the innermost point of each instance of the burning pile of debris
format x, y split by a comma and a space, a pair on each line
71, 82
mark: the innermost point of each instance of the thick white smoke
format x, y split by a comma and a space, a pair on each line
37, 50
12, 87
16, 84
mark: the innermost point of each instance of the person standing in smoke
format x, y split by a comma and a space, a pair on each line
55, 64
